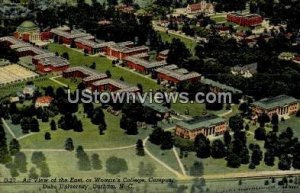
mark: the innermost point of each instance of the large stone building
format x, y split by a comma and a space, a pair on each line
207, 125
30, 32
245, 19
201, 7
283, 105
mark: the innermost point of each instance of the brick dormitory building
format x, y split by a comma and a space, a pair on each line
43, 60
174, 75
208, 125
142, 65
245, 19
98, 81
283, 105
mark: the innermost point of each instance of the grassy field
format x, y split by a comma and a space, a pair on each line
190, 44
219, 19
89, 138
103, 64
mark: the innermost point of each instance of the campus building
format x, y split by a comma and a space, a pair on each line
124, 49
245, 19
283, 105
163, 55
87, 75
44, 101
207, 125
48, 62
90, 46
217, 87
141, 65
172, 74
111, 85
66, 36
43, 60
201, 7
30, 32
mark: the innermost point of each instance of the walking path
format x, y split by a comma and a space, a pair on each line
179, 161
58, 82
159, 161
8, 128
63, 150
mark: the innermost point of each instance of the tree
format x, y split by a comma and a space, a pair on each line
202, 146
177, 52
14, 147
101, 128
32, 173
98, 116
260, 133
96, 162
140, 148
275, 119
233, 160
20, 162
156, 136
4, 153
197, 169
45, 172
37, 158
296, 162
167, 141
263, 119
83, 159
47, 136
256, 156
269, 158
116, 165
218, 149
244, 155
108, 74
53, 125
236, 123
284, 163
65, 55
227, 137
69, 144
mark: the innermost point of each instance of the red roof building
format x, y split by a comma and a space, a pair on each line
87, 75
43, 101
174, 75
125, 49
245, 20
142, 65
112, 85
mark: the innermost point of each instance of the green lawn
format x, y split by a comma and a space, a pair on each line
167, 37
114, 136
103, 64
292, 122
219, 19
194, 109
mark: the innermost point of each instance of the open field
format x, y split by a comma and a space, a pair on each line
102, 65
114, 136
167, 37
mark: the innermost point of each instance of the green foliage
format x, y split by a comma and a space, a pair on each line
116, 165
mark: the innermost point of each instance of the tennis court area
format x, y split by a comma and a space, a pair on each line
14, 73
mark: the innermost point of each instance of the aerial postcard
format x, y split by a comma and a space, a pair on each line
149, 96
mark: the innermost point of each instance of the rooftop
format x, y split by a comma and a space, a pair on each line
177, 73
273, 102
200, 122
221, 86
